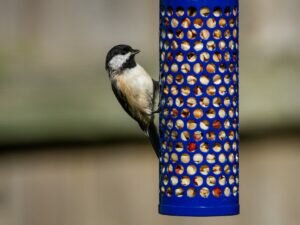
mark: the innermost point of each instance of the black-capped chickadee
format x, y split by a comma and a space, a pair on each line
135, 90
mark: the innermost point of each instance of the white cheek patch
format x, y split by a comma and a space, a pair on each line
117, 61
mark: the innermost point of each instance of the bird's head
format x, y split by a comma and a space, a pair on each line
120, 57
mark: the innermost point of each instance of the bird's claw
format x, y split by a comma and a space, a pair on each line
157, 111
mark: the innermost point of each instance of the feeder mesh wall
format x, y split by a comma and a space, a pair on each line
199, 120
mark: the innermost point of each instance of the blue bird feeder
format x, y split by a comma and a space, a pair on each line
199, 119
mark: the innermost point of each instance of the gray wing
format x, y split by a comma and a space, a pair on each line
155, 87
156, 97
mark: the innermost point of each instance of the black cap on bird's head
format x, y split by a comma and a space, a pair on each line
120, 57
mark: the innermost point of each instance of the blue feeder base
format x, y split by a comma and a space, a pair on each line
199, 211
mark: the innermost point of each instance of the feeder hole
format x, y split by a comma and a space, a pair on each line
204, 102
222, 180
174, 22
211, 158
185, 181
231, 180
191, 102
211, 90
191, 170
204, 147
192, 11
204, 56
185, 91
204, 11
211, 136
174, 45
204, 192
179, 11
211, 113
185, 136
198, 181
217, 169
185, 23
179, 124
165, 180
179, 102
174, 90
198, 23
198, 113
174, 113
191, 192
222, 22
211, 23
204, 34
179, 79
192, 34
211, 181
192, 147
198, 68
185, 46
204, 125
185, 113
174, 157
198, 90
217, 192
191, 125
217, 12
179, 192
191, 57
204, 170
197, 136
170, 168
197, 158
179, 169
217, 57
179, 147
222, 158
185, 68
198, 46
185, 158
211, 45
211, 68
227, 192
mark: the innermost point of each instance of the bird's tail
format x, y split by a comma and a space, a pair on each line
154, 138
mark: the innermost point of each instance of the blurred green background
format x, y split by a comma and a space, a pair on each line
70, 155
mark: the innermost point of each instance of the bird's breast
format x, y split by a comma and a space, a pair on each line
137, 86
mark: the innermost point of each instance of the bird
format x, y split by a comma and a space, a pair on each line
135, 90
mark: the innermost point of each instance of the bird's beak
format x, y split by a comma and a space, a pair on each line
135, 51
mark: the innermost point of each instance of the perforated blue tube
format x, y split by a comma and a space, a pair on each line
199, 167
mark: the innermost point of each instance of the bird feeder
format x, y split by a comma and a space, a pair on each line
199, 118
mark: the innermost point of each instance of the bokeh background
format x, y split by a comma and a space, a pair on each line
70, 155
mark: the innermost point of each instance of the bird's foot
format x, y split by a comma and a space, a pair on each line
157, 111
